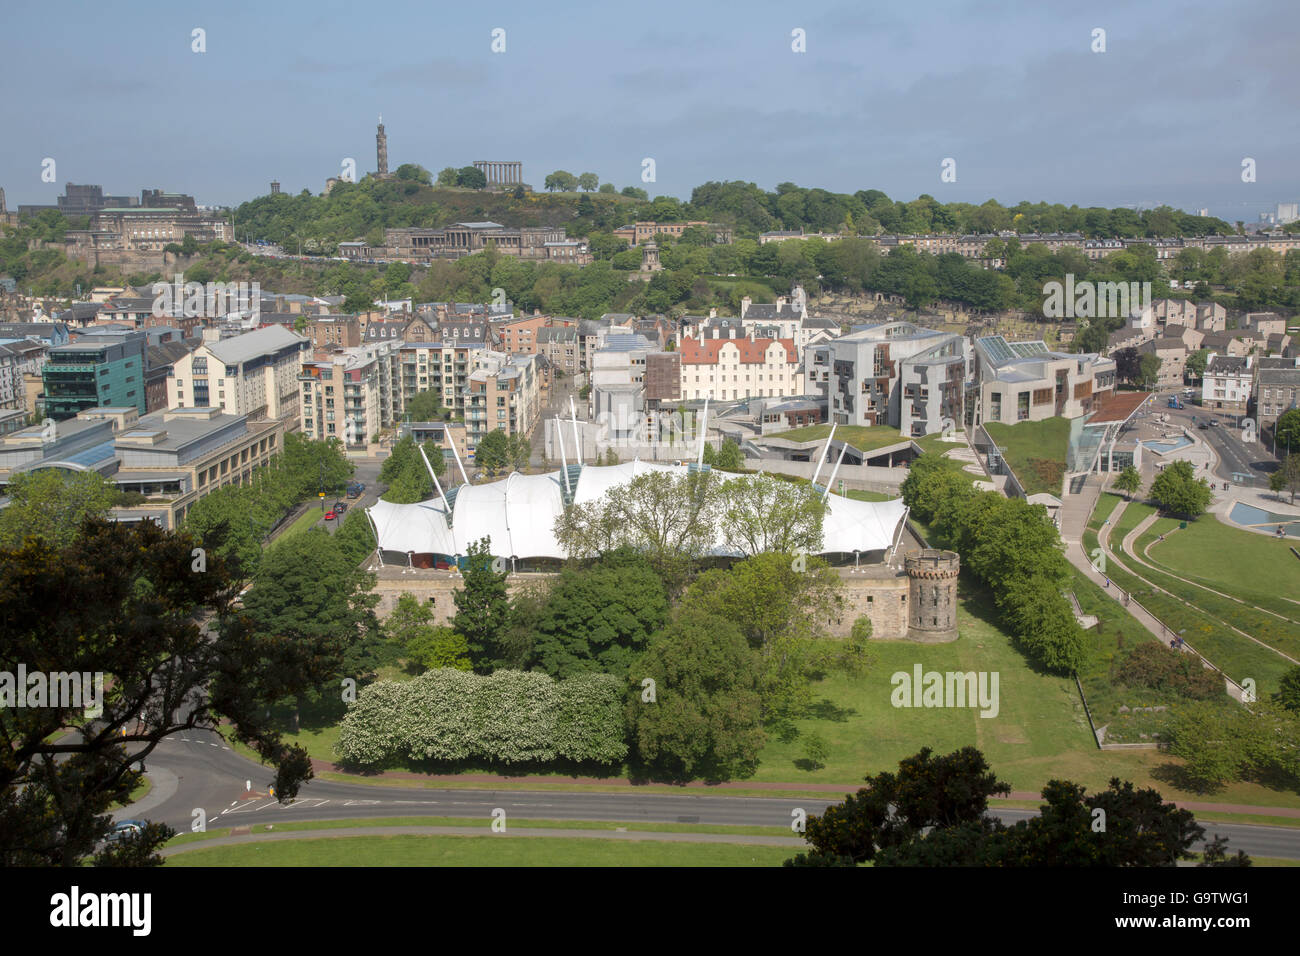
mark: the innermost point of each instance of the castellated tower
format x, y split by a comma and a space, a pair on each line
932, 596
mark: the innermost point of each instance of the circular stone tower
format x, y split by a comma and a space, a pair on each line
932, 596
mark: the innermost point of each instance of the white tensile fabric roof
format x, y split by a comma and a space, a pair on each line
519, 515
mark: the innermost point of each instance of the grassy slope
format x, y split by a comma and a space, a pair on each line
1022, 443
861, 437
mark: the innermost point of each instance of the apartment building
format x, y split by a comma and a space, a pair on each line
1172, 353
1026, 381
736, 368
559, 344
1277, 390
334, 331
254, 374
502, 394
1228, 382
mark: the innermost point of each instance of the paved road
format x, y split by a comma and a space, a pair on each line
198, 770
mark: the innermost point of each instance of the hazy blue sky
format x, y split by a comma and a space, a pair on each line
885, 92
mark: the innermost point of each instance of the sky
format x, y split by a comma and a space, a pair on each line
882, 93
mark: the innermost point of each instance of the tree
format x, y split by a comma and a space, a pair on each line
1286, 433
894, 809
1220, 745
1289, 694
635, 192
482, 605
1129, 481
426, 406
729, 456
1277, 481
1178, 490
599, 618
493, 452
1196, 364
588, 182
307, 590
405, 473
561, 180
1290, 471
607, 188
471, 177
447, 177
763, 514
52, 504
440, 647
518, 452
130, 602
413, 173
780, 605
671, 519
1148, 370
703, 719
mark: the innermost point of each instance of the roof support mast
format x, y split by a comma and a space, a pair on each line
463, 476
577, 442
822, 457
437, 484
704, 428
564, 462
844, 446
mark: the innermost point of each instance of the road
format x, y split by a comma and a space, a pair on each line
198, 770
1225, 439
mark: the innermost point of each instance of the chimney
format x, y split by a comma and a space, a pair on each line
713, 313
745, 303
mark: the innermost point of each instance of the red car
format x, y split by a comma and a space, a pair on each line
330, 516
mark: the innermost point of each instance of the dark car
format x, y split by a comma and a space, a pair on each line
1203, 425
339, 507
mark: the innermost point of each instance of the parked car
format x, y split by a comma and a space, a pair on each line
339, 507
1214, 423
1203, 425
330, 516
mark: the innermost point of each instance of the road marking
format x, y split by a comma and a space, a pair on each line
303, 802
251, 807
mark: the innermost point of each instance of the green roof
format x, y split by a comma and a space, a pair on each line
861, 437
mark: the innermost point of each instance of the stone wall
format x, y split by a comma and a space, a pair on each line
879, 593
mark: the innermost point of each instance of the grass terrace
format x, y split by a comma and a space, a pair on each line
865, 438
1035, 451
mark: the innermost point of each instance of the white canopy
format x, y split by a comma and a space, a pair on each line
519, 513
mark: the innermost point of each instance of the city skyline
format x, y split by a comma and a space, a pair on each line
705, 97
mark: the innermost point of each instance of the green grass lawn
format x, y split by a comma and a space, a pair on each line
1035, 451
1284, 635
1237, 656
1257, 568
408, 850
302, 522
864, 438
869, 496
1040, 722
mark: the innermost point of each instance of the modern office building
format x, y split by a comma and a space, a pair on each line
100, 368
